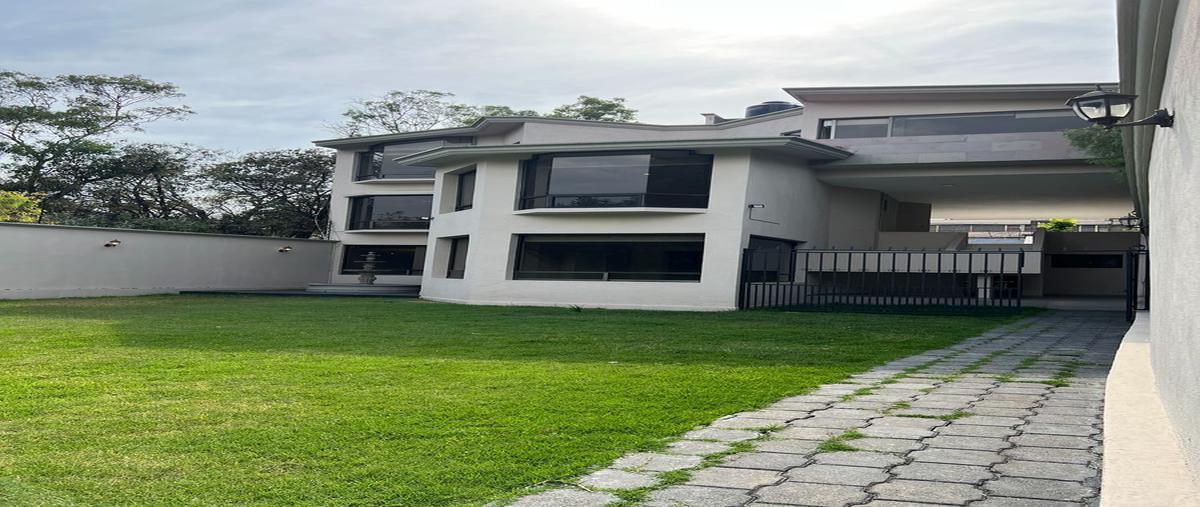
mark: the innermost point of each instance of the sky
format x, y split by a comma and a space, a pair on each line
274, 74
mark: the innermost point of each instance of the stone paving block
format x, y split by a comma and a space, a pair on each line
1059, 441
887, 398
1060, 429
1063, 419
898, 445
894, 503
902, 432
956, 398
1044, 470
967, 442
968, 430
617, 479
942, 472
774, 415
829, 422
789, 446
990, 420
957, 457
1021, 398
745, 423
925, 491
719, 434
811, 398
837, 474
696, 447
858, 459
1002, 412
908, 422
926, 412
796, 406
765, 460
804, 433
847, 413
922, 405
697, 496
874, 406
818, 495
997, 501
1069, 411
1056, 402
1038, 488
655, 462
1051, 455
1025, 405
736, 478
566, 498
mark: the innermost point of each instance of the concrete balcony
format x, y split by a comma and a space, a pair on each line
983, 149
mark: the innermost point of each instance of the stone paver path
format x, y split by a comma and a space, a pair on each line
1006, 419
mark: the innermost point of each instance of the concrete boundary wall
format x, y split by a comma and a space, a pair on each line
51, 261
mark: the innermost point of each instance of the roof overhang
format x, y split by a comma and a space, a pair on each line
500, 124
792, 146
1051, 91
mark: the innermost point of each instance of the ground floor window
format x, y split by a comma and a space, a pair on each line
634, 257
458, 257
389, 259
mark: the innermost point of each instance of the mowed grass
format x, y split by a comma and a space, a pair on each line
224, 400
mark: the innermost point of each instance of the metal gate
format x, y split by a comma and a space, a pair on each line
831, 279
1137, 281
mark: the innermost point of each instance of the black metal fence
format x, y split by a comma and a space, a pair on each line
775, 278
1137, 281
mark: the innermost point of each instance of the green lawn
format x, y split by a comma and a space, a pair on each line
220, 400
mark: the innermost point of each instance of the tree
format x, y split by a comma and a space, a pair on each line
404, 111
1058, 225
1103, 146
274, 193
17, 207
150, 186
48, 125
597, 109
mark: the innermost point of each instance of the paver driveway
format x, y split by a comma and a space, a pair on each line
1009, 418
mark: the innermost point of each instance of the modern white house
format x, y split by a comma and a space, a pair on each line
537, 211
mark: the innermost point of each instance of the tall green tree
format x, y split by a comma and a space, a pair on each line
51, 126
274, 193
1102, 146
404, 111
597, 109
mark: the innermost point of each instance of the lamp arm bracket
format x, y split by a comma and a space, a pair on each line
1161, 117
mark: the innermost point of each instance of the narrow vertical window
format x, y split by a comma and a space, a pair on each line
458, 257
465, 199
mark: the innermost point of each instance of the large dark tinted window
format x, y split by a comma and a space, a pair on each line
600, 257
985, 123
853, 128
465, 199
771, 260
390, 212
389, 259
379, 161
457, 265
661, 179
1113, 261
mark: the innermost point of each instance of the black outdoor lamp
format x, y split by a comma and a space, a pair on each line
1130, 221
1106, 108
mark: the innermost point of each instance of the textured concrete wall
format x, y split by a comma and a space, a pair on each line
1174, 178
46, 261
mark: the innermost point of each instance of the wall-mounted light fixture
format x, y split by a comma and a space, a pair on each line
112, 243
756, 206
285, 249
1130, 221
1106, 108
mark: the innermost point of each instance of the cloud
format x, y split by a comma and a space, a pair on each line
269, 74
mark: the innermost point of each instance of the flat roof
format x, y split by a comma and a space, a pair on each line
1051, 91
804, 148
497, 124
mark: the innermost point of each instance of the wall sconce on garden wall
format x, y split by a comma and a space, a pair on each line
285, 249
112, 243
1106, 108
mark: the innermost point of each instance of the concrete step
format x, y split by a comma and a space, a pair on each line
364, 289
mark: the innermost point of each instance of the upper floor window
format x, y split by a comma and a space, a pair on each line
465, 196
390, 212
379, 162
950, 124
659, 179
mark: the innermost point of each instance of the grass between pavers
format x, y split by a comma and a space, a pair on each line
207, 400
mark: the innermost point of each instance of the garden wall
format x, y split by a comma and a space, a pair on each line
51, 261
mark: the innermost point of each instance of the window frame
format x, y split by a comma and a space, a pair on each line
414, 270
528, 193
363, 158
454, 254
891, 122
459, 194
353, 222
605, 276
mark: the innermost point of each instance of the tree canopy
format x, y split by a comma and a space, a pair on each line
1102, 146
